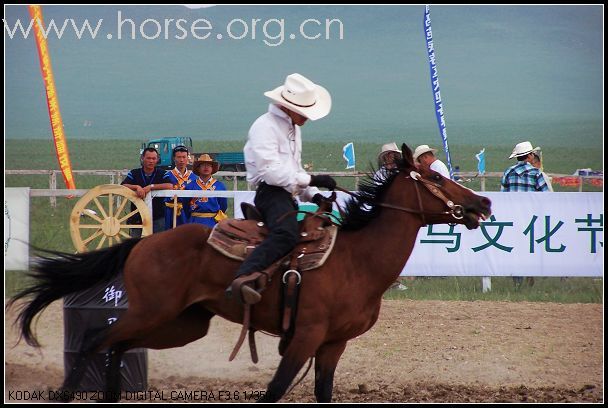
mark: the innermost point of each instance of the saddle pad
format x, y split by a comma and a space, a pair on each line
236, 239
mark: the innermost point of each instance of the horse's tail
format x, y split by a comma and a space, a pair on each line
62, 274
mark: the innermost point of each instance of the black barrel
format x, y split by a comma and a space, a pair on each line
93, 308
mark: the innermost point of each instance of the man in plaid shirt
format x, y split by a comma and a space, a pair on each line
523, 176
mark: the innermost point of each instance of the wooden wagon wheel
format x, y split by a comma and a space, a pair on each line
99, 219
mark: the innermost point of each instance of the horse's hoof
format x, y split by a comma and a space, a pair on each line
250, 295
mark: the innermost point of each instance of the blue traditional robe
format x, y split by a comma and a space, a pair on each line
179, 181
207, 210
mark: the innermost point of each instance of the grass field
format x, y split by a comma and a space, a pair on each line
124, 154
49, 227
545, 289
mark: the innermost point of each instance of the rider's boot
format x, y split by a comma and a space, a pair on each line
248, 287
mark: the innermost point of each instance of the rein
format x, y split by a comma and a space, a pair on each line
455, 210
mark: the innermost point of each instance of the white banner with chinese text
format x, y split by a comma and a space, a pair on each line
529, 234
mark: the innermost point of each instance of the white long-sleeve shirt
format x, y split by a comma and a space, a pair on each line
273, 154
440, 168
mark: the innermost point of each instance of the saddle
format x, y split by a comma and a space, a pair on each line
237, 238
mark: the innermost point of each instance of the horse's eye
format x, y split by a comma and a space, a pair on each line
437, 177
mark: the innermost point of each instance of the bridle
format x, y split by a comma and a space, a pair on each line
455, 210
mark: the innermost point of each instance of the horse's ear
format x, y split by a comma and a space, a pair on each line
407, 155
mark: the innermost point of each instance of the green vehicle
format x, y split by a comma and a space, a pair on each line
229, 161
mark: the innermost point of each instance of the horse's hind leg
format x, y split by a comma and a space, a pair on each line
190, 325
326, 362
91, 341
113, 377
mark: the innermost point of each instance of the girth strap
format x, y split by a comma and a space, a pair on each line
291, 283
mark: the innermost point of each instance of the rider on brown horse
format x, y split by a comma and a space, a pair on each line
274, 166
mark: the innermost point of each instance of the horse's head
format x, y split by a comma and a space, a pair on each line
438, 199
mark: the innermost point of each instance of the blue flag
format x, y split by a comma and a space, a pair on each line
481, 157
439, 108
348, 152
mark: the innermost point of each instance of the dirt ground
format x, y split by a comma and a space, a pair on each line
418, 351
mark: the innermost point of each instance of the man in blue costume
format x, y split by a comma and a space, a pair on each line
180, 177
207, 210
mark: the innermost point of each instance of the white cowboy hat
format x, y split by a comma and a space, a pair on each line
387, 148
522, 149
422, 149
302, 96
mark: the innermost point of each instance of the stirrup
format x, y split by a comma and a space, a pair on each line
248, 287
249, 295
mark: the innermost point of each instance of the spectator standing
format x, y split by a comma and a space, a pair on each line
207, 210
524, 176
389, 155
143, 180
180, 176
425, 157
538, 163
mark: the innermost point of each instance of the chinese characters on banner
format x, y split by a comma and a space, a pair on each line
557, 234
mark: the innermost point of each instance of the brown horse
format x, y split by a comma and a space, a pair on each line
175, 281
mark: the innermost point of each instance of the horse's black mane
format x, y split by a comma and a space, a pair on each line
361, 209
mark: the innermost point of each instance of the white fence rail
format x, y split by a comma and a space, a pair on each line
116, 176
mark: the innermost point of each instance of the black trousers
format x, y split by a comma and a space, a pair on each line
273, 202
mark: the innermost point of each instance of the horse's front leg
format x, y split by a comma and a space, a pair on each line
297, 353
326, 361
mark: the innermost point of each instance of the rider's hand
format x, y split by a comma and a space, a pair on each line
323, 181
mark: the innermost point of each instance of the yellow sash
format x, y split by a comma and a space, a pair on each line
203, 215
218, 216
179, 207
